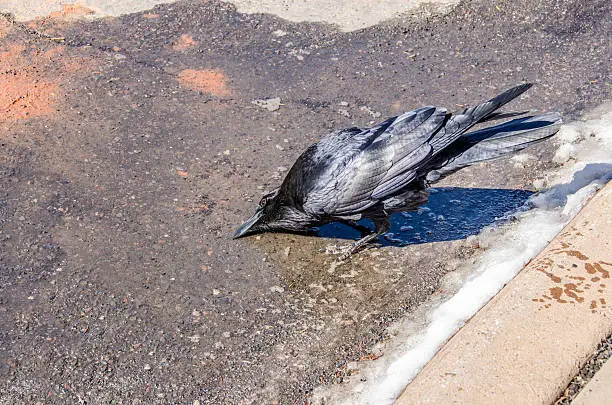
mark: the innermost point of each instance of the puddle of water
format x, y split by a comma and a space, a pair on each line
452, 213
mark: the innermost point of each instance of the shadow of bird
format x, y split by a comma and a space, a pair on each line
357, 173
451, 213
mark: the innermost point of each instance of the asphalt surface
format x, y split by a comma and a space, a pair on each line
130, 149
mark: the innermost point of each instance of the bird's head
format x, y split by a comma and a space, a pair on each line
271, 215
274, 214
258, 223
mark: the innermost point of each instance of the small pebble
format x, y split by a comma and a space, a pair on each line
344, 112
366, 109
270, 104
277, 33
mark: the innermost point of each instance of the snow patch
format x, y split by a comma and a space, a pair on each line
418, 337
565, 152
522, 159
570, 133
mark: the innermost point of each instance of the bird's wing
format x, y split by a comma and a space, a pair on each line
386, 159
368, 166
399, 175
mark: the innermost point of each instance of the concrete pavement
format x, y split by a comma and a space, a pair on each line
531, 339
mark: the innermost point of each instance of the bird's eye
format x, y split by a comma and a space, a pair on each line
267, 197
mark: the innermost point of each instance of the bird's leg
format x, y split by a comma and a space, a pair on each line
381, 226
363, 230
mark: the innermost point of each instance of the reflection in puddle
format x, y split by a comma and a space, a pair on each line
452, 213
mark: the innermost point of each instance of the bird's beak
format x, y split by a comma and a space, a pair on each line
245, 229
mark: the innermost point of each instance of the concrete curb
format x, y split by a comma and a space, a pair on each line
598, 391
528, 342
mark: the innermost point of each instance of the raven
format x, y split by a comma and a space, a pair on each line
370, 173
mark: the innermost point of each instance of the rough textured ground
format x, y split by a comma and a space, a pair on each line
130, 148
600, 356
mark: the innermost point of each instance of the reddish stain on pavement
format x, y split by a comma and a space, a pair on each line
571, 290
593, 268
30, 79
25, 93
606, 273
52, 24
207, 81
554, 278
185, 42
556, 293
71, 11
574, 253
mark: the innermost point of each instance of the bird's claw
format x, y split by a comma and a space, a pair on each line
349, 250
345, 256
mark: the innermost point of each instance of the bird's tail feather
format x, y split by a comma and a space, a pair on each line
499, 115
485, 110
493, 142
463, 120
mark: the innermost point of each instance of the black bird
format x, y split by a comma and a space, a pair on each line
370, 173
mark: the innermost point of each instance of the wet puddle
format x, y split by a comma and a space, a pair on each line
452, 213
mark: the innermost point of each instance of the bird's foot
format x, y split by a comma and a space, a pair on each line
347, 254
345, 251
333, 249
356, 247
382, 226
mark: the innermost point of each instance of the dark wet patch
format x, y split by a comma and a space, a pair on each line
452, 213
